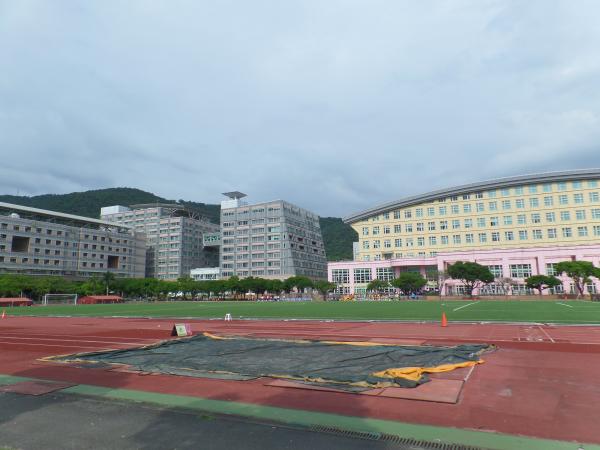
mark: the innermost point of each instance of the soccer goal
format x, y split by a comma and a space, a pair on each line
57, 299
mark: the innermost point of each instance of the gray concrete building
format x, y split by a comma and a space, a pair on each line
173, 235
40, 242
273, 239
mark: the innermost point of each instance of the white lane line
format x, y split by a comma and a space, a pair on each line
18, 338
469, 374
546, 333
564, 304
464, 306
50, 345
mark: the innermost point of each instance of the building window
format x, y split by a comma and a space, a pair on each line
534, 202
596, 230
550, 217
482, 237
468, 223
469, 238
385, 273
535, 218
419, 212
397, 228
362, 275
365, 231
431, 211
420, 226
522, 235
375, 231
508, 220
596, 213
456, 224
580, 214
442, 210
533, 189
551, 269
567, 232
509, 236
340, 275
387, 243
493, 206
467, 208
496, 271
548, 201
432, 240
565, 216
506, 204
479, 206
443, 225
493, 221
421, 241
495, 236
456, 239
376, 244
397, 242
520, 270
563, 199
594, 197
582, 231
551, 233
454, 209
431, 226
386, 229
537, 234
578, 198
365, 245
520, 203
444, 240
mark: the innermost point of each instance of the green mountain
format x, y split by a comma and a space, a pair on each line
338, 236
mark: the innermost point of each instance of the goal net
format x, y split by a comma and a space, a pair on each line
57, 299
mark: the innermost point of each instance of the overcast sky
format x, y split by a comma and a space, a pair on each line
333, 105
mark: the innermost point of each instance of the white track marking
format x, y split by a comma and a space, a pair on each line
464, 306
18, 338
564, 304
469, 374
546, 333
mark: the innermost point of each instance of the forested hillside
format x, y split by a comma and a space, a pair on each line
338, 236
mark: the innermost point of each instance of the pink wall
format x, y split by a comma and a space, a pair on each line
537, 257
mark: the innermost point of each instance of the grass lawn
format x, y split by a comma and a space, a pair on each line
567, 312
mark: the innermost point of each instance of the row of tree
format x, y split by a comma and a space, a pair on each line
37, 287
474, 276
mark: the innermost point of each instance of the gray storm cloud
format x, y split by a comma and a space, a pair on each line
333, 105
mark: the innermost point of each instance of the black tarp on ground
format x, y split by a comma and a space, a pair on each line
349, 367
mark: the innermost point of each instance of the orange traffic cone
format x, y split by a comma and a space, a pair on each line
444, 320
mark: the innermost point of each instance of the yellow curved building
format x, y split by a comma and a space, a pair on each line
552, 209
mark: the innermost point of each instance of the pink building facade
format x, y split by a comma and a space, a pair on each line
509, 266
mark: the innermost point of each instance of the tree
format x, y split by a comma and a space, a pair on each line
298, 282
324, 287
472, 275
378, 285
541, 282
107, 279
506, 283
579, 271
409, 282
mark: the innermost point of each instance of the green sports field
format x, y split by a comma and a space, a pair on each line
567, 312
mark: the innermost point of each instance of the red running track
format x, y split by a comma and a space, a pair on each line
542, 381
